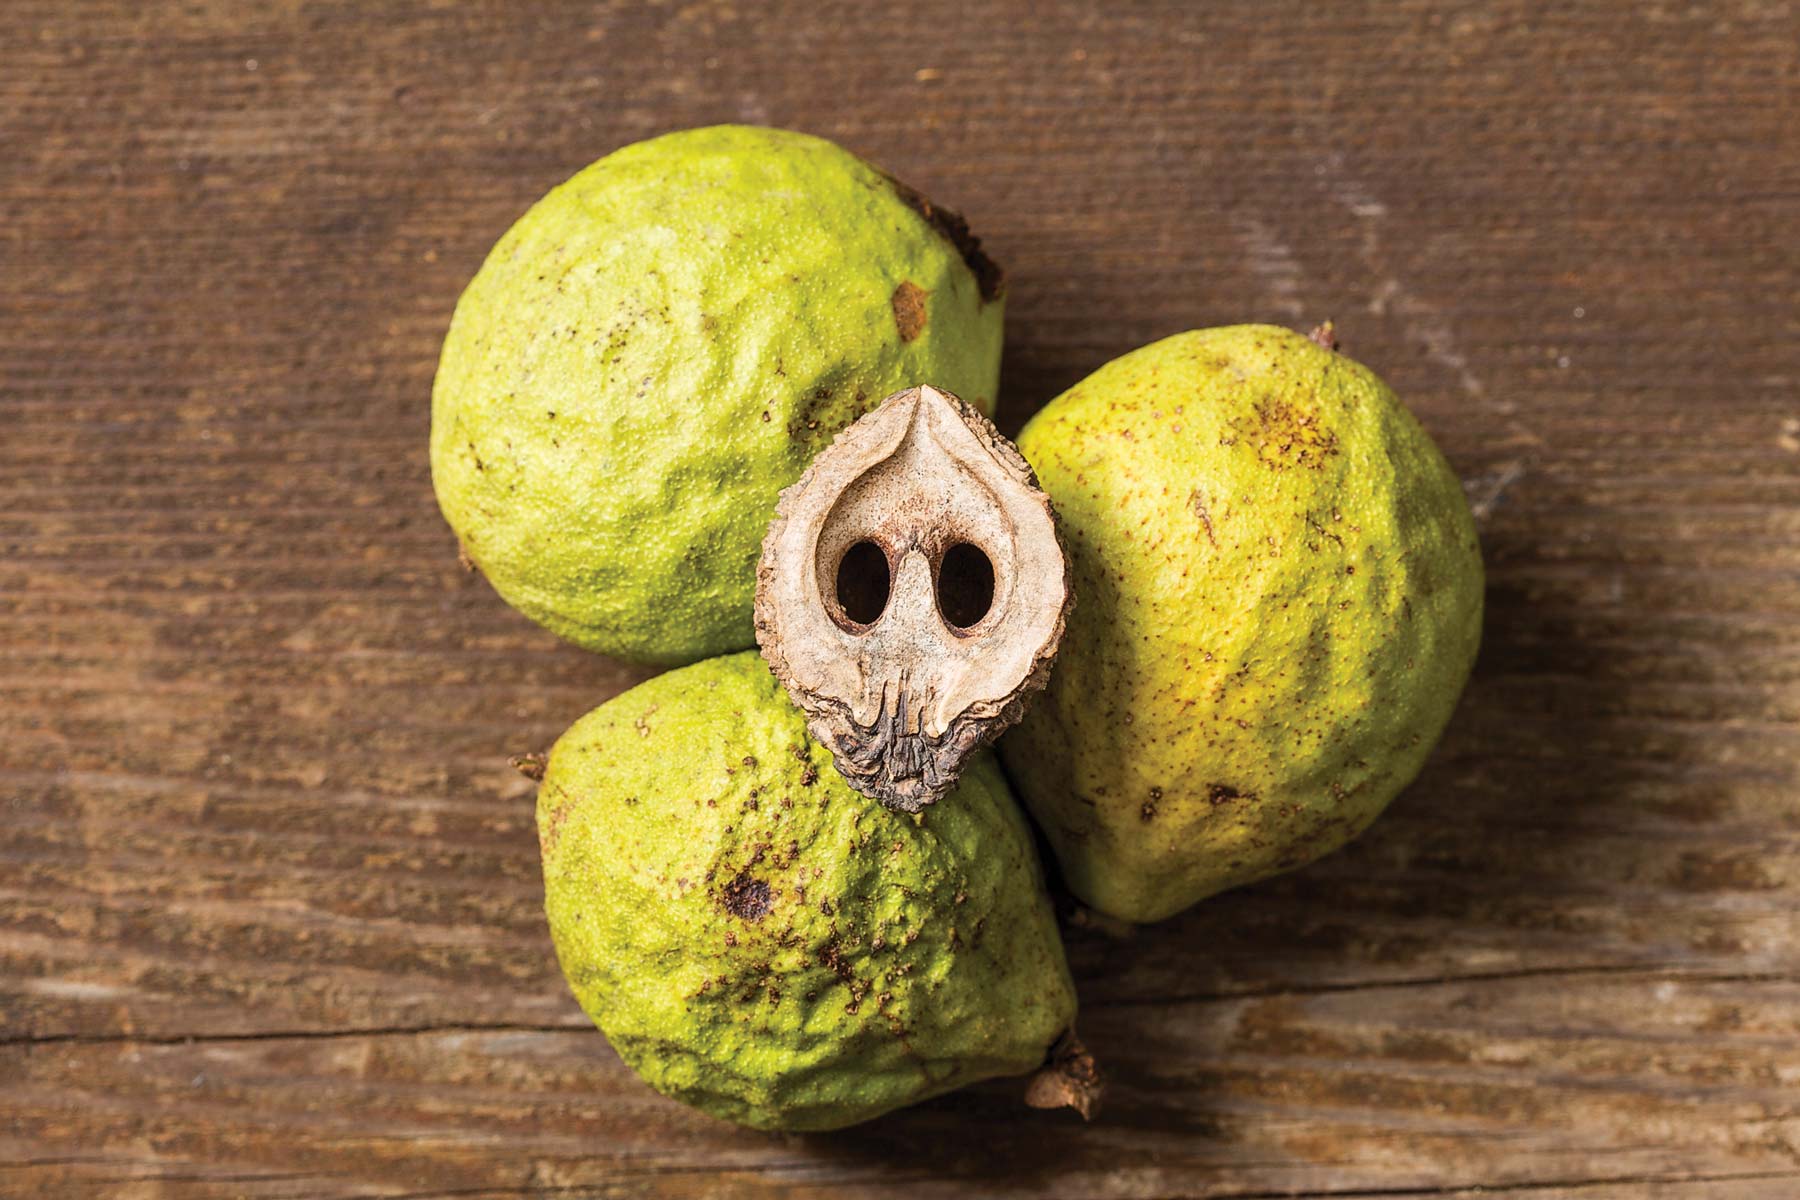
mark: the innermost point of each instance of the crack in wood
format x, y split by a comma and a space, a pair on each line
1657, 972
1492, 1189
277, 1035
1672, 974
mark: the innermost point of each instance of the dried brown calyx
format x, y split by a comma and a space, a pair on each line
911, 594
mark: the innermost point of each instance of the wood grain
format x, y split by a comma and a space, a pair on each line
269, 896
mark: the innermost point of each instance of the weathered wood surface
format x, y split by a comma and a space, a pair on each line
269, 902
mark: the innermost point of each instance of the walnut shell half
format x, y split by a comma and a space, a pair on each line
911, 594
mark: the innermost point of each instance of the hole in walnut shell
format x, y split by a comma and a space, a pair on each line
965, 586
863, 583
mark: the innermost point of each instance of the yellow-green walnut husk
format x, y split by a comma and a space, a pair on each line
660, 345
1278, 600
760, 941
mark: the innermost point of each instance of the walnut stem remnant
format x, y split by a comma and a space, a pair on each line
911, 594
1071, 1079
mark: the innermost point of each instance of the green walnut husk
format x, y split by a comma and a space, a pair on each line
758, 940
660, 345
1279, 596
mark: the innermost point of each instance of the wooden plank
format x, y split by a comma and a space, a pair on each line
1504, 1082
269, 903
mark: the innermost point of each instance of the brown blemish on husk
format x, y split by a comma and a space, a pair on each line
1286, 435
910, 316
1198, 500
531, 766
550, 826
1224, 793
747, 897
